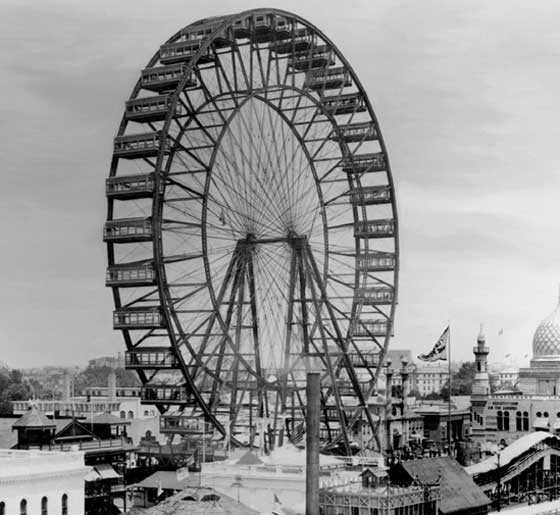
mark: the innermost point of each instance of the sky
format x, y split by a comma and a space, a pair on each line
466, 93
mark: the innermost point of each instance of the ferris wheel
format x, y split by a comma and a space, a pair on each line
252, 233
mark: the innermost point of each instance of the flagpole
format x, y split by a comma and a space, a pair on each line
449, 393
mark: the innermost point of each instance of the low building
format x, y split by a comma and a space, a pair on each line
107, 361
437, 416
198, 501
263, 482
106, 450
459, 493
374, 494
121, 401
160, 485
36, 482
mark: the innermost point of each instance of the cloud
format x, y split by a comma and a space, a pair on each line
466, 93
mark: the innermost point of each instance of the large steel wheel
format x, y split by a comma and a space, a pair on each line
251, 232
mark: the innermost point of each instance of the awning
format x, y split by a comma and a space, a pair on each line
106, 471
92, 475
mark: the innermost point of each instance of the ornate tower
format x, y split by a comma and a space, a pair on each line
481, 384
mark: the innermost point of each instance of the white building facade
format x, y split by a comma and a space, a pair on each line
38, 482
431, 378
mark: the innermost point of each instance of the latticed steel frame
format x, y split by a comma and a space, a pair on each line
252, 232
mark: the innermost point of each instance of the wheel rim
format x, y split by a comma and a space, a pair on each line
262, 184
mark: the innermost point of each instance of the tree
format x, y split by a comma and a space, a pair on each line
98, 376
462, 380
12, 388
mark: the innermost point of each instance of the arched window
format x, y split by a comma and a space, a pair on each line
518, 421
44, 506
64, 505
506, 420
525, 421
146, 413
130, 414
539, 414
545, 414
500, 421
123, 414
23, 507
2, 508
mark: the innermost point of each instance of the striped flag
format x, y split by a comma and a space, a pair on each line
439, 352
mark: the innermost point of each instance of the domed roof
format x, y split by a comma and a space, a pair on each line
546, 341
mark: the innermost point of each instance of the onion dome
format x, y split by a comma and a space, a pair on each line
546, 341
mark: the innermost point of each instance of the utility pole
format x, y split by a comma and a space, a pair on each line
312, 443
498, 483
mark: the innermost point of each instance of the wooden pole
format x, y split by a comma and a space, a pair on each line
449, 393
312, 443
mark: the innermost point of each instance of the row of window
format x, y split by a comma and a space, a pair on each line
44, 506
147, 413
521, 421
545, 414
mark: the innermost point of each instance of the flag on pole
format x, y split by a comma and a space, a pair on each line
439, 352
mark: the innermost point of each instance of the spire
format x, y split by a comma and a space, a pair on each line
481, 337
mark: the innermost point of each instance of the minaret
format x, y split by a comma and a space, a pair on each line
481, 383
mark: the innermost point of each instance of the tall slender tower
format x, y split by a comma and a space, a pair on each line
481, 383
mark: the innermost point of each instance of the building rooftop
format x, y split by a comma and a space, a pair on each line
511, 452
22, 463
458, 490
197, 501
165, 479
33, 419
105, 419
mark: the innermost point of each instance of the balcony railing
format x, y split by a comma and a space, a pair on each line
138, 318
185, 425
375, 228
375, 295
151, 357
376, 261
165, 78
123, 443
131, 274
166, 394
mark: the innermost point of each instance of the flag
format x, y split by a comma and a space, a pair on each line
439, 350
276, 500
500, 332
